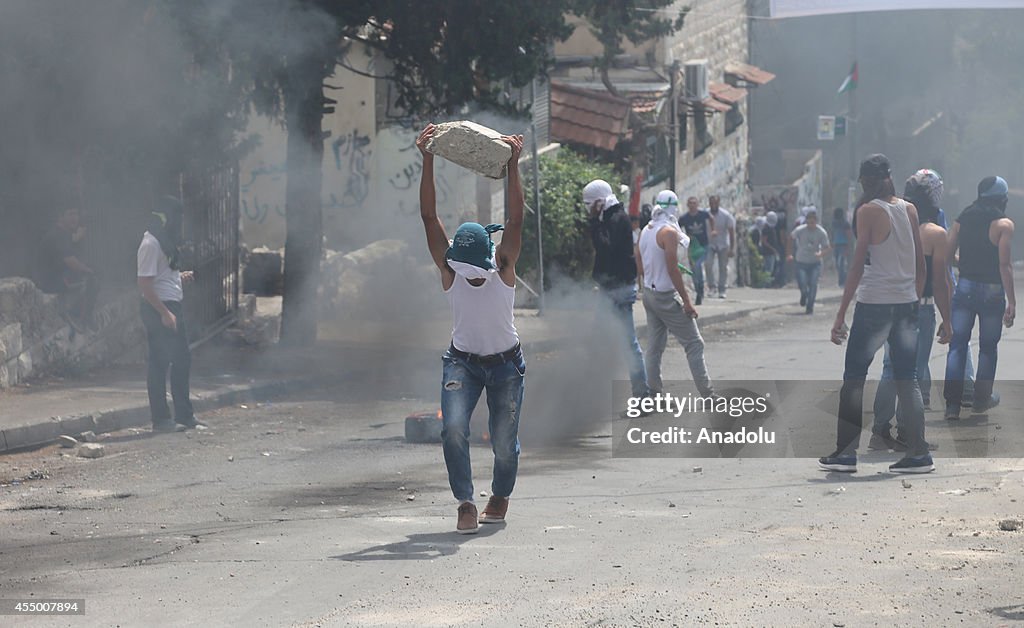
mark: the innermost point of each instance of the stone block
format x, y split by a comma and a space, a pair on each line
90, 450
472, 146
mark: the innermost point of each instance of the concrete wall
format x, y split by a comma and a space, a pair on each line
36, 341
790, 197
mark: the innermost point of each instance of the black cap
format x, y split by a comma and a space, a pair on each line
876, 167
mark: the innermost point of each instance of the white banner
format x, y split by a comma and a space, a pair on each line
802, 8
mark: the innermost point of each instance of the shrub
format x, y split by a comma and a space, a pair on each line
567, 247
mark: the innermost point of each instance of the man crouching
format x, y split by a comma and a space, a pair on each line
484, 354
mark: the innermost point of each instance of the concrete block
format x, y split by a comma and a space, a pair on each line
472, 146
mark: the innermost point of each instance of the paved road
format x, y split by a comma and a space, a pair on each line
313, 511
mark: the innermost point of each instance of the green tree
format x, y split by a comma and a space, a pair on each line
567, 247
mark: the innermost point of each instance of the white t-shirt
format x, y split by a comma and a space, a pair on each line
153, 263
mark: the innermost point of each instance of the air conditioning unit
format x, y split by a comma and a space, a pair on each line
695, 82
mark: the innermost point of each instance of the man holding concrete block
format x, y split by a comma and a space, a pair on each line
479, 280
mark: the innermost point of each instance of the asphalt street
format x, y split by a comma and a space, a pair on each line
312, 510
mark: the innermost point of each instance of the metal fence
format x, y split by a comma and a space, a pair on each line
211, 204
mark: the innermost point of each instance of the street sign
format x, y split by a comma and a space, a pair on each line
826, 128
840, 126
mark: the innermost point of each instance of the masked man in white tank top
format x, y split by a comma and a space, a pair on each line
484, 354
887, 275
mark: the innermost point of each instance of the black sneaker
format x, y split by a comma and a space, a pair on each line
916, 464
810, 309
952, 412
839, 462
699, 300
984, 406
967, 401
803, 300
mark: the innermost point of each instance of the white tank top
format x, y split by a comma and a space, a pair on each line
482, 316
656, 275
891, 276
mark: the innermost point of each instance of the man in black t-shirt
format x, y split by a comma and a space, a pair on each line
64, 273
697, 225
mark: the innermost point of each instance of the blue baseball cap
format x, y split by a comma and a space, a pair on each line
472, 245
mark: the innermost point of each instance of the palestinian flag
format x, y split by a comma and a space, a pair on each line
850, 82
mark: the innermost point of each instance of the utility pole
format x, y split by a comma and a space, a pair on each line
673, 123
852, 126
535, 166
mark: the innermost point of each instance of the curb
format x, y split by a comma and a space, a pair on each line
45, 432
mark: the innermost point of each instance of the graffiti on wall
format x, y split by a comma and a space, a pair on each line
263, 177
777, 198
407, 177
352, 155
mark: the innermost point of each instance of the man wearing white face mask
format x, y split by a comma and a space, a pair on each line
666, 300
479, 281
615, 271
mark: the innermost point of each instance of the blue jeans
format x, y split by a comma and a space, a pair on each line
461, 387
697, 266
807, 278
622, 300
873, 325
885, 398
770, 259
987, 302
841, 253
719, 257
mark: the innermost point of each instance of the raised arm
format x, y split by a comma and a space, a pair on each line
511, 244
437, 239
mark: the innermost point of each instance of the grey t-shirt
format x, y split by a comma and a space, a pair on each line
721, 221
808, 242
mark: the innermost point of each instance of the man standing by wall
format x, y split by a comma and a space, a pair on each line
722, 246
65, 273
615, 270
160, 282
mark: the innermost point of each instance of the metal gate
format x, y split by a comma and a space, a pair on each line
210, 199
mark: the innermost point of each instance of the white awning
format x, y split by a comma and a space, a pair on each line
802, 8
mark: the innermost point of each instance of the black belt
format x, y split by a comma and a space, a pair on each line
515, 353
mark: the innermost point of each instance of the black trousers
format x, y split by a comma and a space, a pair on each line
167, 348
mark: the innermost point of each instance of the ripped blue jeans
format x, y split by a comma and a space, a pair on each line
463, 383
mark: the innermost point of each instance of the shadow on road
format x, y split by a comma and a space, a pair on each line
420, 546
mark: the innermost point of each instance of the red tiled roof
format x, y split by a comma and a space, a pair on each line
749, 73
648, 102
717, 105
727, 93
584, 116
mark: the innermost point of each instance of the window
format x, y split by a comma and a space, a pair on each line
702, 137
733, 119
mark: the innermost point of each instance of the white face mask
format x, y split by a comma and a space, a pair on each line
469, 271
